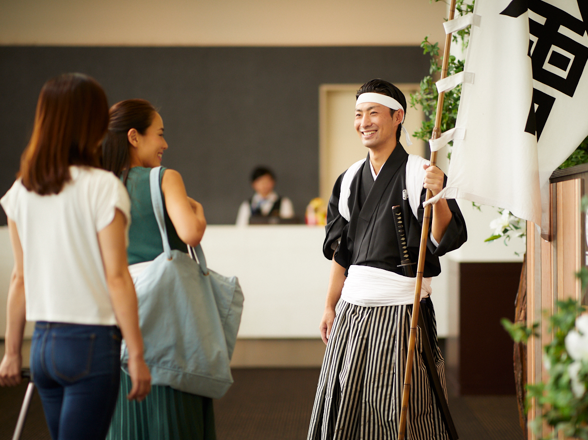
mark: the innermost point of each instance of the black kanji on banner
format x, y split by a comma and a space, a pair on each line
557, 50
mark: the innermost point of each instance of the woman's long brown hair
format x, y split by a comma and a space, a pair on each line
70, 122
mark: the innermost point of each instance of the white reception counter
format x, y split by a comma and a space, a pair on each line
283, 274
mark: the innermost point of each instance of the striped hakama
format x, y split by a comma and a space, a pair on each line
165, 414
359, 394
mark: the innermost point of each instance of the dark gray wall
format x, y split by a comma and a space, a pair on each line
225, 109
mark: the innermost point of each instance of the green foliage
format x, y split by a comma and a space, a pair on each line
562, 400
519, 331
507, 226
560, 407
462, 8
584, 203
428, 96
583, 276
578, 157
493, 237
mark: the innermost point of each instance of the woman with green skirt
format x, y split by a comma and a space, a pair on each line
134, 145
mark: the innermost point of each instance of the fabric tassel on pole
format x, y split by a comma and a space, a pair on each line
423, 248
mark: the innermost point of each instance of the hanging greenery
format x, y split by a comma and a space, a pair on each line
426, 97
578, 157
561, 399
507, 225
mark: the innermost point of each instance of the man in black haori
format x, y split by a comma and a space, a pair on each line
369, 300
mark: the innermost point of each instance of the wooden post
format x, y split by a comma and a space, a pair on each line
423, 249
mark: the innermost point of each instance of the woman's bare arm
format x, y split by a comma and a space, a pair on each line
124, 301
10, 368
185, 213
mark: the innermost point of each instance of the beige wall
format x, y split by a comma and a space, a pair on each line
220, 23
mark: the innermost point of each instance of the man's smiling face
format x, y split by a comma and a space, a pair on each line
375, 125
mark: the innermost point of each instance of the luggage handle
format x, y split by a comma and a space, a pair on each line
25, 373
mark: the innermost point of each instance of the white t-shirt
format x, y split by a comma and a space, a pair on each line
63, 271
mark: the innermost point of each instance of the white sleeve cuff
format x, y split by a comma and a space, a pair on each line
433, 240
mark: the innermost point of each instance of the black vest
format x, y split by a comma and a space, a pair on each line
274, 212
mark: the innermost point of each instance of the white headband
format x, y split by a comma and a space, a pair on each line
388, 102
379, 99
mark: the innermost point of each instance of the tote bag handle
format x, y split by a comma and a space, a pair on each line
157, 202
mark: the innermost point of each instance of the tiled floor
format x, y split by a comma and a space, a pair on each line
275, 404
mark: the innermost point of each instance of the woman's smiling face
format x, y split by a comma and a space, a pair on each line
152, 144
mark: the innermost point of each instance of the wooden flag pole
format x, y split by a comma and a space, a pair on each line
423, 249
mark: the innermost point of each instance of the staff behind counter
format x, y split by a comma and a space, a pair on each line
265, 206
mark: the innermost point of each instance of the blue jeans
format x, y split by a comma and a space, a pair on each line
76, 369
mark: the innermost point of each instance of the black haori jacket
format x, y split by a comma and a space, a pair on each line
369, 237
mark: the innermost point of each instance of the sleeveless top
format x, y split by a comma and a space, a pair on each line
144, 237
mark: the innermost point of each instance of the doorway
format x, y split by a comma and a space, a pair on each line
339, 143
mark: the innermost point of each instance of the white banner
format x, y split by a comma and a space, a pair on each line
522, 115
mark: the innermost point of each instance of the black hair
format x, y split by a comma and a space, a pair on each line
124, 115
385, 88
261, 171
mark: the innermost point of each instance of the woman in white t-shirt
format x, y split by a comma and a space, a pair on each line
68, 221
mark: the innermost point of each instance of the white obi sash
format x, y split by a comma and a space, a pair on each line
372, 287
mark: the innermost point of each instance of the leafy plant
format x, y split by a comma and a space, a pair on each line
426, 98
507, 226
578, 157
519, 331
562, 399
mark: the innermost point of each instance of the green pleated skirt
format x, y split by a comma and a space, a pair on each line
166, 414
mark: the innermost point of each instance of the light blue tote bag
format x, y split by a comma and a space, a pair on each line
189, 316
